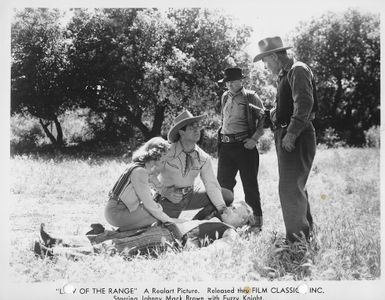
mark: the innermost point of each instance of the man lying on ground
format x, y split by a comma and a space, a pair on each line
216, 231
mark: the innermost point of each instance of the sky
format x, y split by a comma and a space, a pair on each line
266, 17
272, 17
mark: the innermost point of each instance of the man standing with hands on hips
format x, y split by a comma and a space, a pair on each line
242, 125
294, 134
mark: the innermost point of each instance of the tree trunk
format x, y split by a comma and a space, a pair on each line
137, 122
58, 141
336, 102
47, 132
59, 137
158, 121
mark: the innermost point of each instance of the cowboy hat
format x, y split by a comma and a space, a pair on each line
232, 74
180, 121
269, 45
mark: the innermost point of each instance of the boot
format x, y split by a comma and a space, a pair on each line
255, 223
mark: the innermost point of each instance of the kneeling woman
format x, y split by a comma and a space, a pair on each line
131, 204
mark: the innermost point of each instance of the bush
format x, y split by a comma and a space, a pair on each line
77, 125
373, 136
209, 141
331, 138
26, 133
266, 142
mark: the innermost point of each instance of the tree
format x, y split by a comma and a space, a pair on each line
140, 65
344, 53
38, 68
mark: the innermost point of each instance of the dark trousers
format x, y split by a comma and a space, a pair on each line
294, 168
234, 157
195, 199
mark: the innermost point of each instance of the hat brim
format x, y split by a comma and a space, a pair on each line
226, 79
263, 54
172, 135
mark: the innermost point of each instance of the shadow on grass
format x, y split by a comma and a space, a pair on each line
91, 150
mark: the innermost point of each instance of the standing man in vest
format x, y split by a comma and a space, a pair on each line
294, 134
242, 125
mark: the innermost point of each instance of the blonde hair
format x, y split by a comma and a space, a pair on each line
153, 149
246, 214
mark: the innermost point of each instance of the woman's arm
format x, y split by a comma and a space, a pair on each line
139, 180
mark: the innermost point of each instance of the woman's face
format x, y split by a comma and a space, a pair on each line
159, 164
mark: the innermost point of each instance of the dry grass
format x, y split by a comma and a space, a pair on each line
69, 194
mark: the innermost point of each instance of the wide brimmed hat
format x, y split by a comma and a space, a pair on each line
180, 121
232, 74
269, 45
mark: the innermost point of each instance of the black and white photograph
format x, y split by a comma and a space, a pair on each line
191, 150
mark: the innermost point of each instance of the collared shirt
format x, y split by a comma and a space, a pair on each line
235, 117
174, 172
300, 80
234, 113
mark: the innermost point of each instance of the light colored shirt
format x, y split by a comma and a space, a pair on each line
137, 191
173, 172
234, 113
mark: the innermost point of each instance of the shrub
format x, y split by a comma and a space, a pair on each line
77, 125
266, 141
331, 138
26, 133
372, 137
209, 141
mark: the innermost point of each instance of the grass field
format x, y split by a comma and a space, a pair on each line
69, 194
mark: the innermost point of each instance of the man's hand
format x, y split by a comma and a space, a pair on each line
171, 194
288, 142
249, 144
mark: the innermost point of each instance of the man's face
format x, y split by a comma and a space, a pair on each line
192, 133
234, 86
235, 216
271, 63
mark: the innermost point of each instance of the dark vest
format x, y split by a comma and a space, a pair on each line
285, 101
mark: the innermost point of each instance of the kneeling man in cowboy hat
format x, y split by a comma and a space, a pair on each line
294, 134
182, 164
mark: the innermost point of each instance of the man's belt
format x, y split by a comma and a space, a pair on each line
233, 138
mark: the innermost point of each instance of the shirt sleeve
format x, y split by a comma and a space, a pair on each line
300, 80
139, 179
260, 120
213, 189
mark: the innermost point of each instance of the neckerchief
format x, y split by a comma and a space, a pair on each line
189, 161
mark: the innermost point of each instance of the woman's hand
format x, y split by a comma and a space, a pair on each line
176, 220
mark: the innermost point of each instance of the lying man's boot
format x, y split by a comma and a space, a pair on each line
96, 229
48, 240
42, 251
